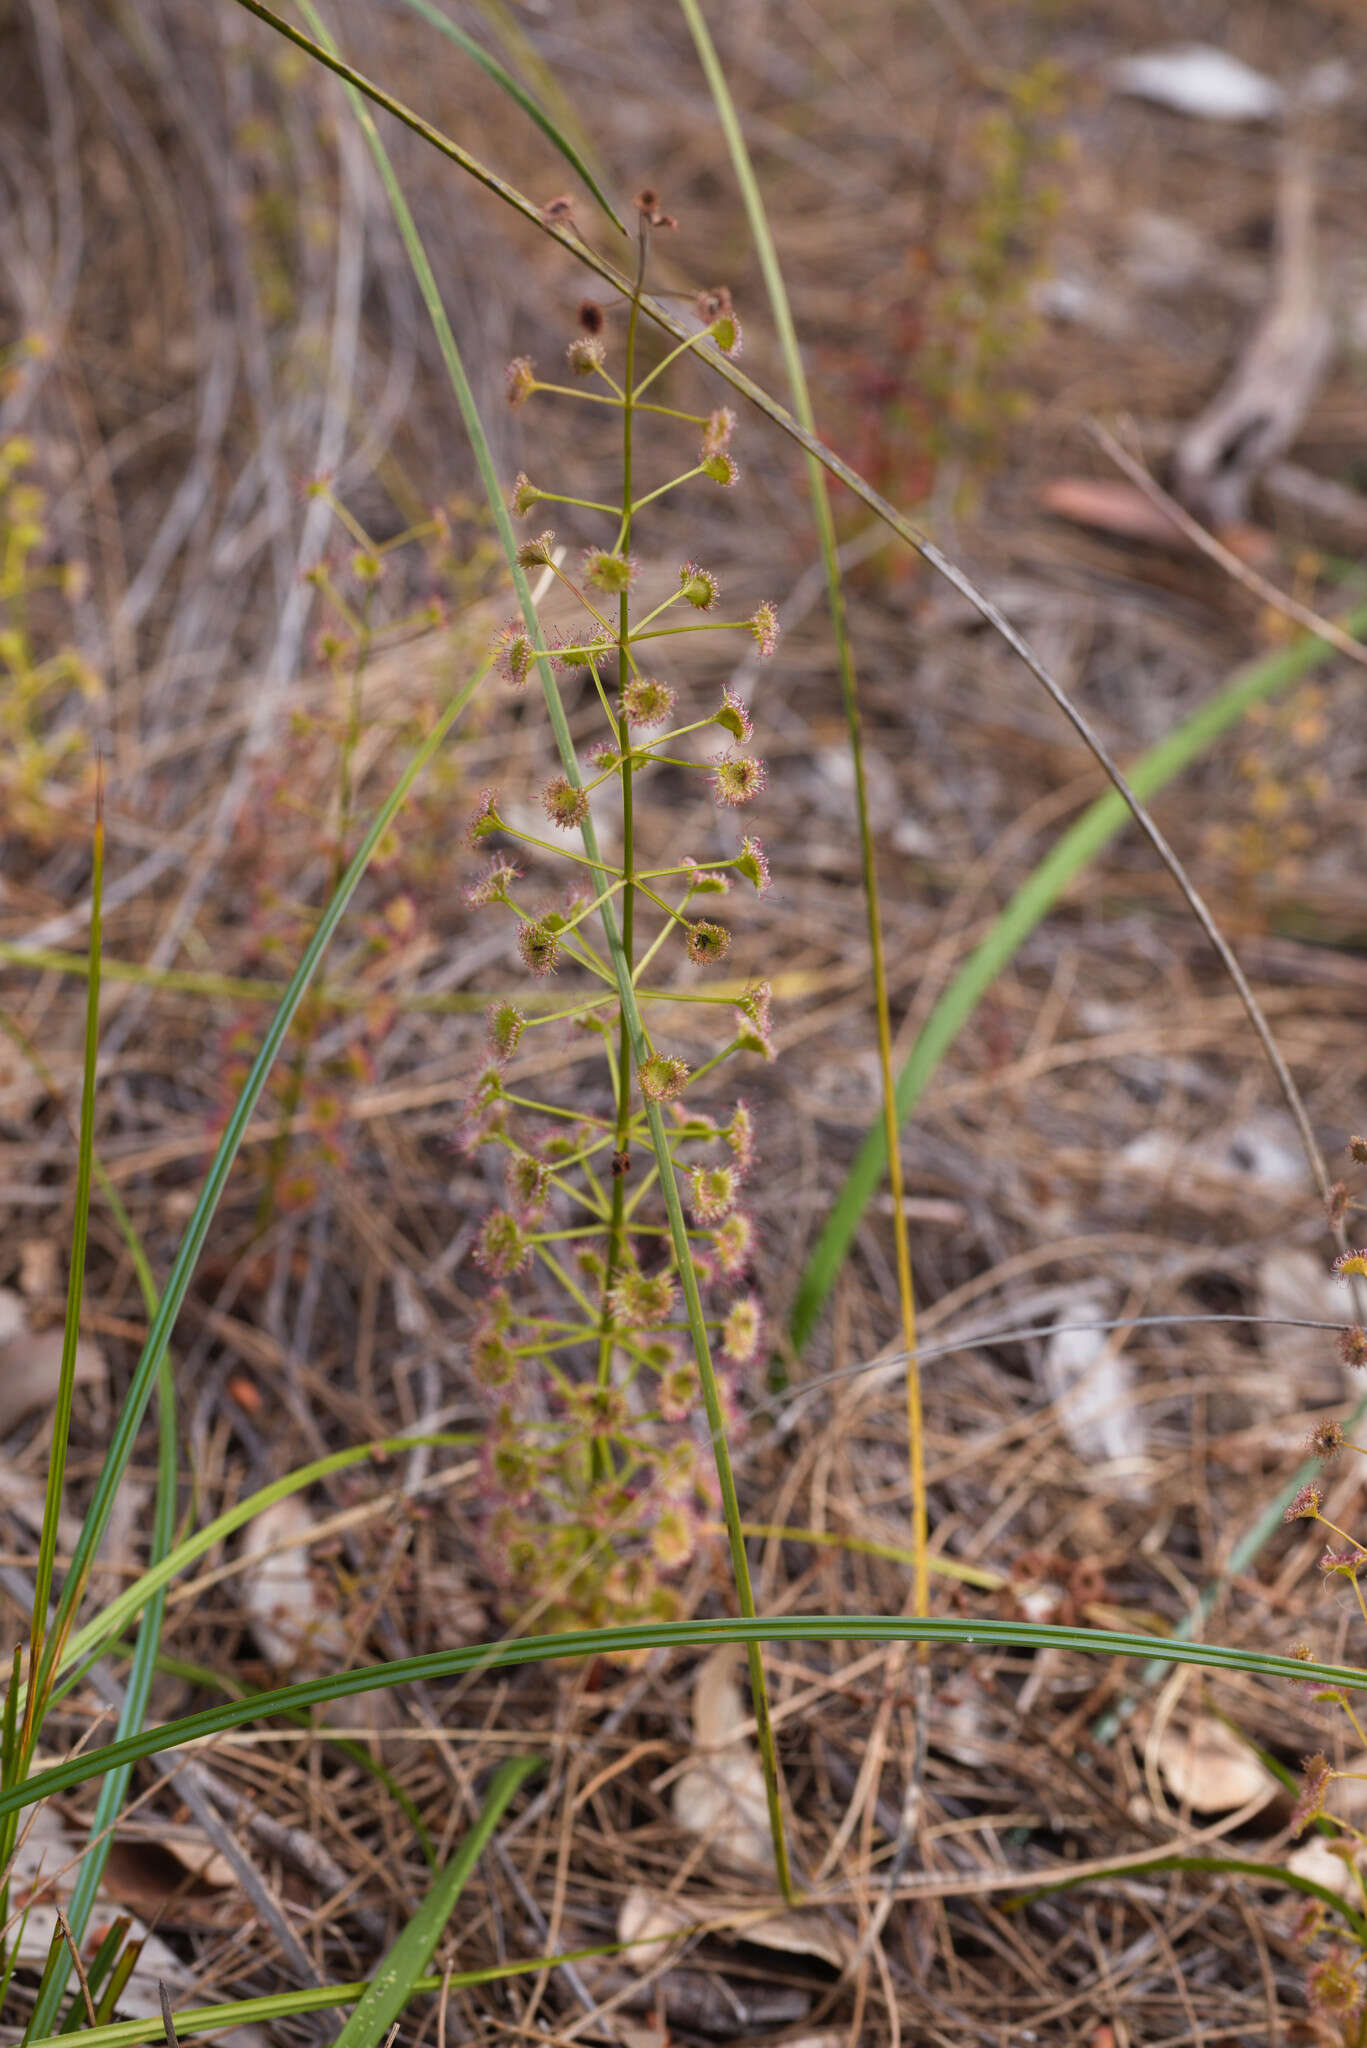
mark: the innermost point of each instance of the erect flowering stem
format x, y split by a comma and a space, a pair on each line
633, 1055
621, 1163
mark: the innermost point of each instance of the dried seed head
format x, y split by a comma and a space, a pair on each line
585, 354
1357, 1150
520, 377
699, 586
736, 778
539, 945
647, 701
648, 206
564, 804
663, 1076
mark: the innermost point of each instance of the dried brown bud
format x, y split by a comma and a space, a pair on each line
1357, 1149
1338, 1201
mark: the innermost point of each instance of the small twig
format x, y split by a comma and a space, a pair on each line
166, 2019
1277, 600
69, 1938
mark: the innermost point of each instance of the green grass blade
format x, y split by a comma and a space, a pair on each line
145, 1372
118, 1614
505, 81
1228, 1866
250, 2012
136, 1695
393, 1984
44, 1646
1079, 845
630, 1639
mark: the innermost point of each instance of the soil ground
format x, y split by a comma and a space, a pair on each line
987, 245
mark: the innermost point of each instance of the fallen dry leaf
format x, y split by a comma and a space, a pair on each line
39, 1272
31, 1363
1091, 1383
801, 1933
646, 1920
1316, 1860
292, 1624
721, 1795
1108, 505
1209, 1769
1199, 80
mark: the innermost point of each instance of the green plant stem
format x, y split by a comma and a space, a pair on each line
636, 1037
617, 1243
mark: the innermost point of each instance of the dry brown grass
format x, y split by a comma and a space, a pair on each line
1081, 1143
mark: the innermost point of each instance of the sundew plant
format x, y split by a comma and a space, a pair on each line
596, 1338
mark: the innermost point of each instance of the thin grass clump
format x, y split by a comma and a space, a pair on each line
598, 1463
